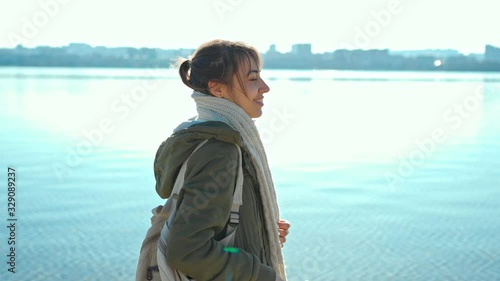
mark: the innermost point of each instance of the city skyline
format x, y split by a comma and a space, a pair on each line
301, 57
377, 24
270, 48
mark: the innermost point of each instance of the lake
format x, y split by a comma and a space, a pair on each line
383, 175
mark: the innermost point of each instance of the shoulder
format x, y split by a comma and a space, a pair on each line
218, 152
208, 130
215, 164
215, 152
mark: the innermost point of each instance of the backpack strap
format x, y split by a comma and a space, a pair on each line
179, 182
234, 218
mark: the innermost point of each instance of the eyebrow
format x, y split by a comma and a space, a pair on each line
253, 71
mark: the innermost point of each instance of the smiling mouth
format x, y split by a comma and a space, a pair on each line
259, 102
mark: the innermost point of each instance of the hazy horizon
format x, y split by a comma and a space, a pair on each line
361, 24
481, 52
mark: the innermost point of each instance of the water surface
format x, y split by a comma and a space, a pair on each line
384, 175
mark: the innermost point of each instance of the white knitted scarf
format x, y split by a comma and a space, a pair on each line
218, 109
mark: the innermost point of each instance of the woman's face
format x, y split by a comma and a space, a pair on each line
250, 94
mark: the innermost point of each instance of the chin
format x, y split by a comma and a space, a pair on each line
256, 114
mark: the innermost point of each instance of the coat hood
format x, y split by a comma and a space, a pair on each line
177, 148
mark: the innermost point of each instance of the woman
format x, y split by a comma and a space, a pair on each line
228, 92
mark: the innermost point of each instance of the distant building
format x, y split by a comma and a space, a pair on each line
272, 50
79, 49
302, 50
491, 53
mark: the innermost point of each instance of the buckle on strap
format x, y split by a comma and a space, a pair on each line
234, 219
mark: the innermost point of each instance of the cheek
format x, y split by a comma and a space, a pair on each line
252, 91
242, 99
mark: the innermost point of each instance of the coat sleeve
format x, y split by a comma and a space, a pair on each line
203, 210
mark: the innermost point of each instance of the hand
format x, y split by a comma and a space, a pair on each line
283, 226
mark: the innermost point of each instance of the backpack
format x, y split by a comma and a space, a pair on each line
152, 263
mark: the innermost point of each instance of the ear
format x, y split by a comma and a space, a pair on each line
216, 89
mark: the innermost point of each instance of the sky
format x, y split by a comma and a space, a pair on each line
465, 25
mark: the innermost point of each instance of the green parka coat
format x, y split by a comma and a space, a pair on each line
204, 206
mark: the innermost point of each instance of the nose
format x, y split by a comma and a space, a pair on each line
264, 88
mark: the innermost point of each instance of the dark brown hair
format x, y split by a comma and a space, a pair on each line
216, 60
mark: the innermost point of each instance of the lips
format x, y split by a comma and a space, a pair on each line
260, 101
